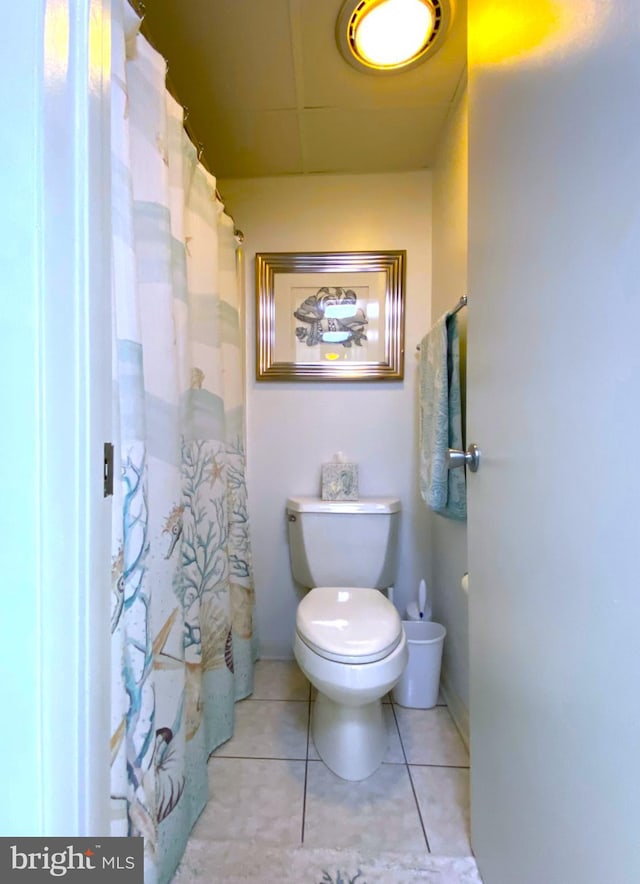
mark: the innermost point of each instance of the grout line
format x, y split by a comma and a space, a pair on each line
257, 757
413, 788
277, 700
433, 764
306, 770
311, 760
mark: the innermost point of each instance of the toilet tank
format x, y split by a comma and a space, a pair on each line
344, 543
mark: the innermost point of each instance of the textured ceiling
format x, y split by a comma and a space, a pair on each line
268, 92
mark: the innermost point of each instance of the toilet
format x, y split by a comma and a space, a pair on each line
349, 640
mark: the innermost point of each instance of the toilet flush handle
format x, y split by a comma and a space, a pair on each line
291, 517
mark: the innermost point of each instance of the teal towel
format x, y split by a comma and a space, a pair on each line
443, 490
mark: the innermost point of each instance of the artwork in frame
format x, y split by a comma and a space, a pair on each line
330, 316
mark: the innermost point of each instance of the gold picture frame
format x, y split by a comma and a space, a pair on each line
330, 316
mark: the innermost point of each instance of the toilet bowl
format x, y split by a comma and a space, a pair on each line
349, 640
350, 644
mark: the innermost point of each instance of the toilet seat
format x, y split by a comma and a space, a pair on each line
348, 624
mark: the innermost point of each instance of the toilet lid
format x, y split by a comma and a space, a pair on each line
348, 623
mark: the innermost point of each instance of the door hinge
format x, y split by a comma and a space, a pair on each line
108, 469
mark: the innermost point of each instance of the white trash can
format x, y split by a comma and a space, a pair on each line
419, 683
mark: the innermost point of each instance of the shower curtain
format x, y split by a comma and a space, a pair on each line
182, 591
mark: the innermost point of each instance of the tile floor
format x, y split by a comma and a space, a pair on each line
269, 787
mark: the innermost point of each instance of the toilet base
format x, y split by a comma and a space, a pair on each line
351, 740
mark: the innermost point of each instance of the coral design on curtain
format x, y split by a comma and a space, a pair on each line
182, 612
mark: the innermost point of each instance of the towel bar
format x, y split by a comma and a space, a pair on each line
461, 303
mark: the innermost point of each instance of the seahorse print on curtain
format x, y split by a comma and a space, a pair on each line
182, 588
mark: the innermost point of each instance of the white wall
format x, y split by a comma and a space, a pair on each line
294, 427
449, 538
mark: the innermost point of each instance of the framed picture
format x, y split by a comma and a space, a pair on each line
330, 316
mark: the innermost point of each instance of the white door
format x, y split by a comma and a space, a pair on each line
554, 404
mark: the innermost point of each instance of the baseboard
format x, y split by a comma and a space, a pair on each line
458, 710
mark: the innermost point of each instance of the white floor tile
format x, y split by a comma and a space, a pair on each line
279, 680
257, 785
429, 736
268, 729
253, 800
377, 813
443, 796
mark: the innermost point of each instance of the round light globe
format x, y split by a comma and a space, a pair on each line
394, 31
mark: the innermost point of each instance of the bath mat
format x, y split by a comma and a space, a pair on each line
226, 862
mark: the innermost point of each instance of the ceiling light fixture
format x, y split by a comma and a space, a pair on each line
384, 36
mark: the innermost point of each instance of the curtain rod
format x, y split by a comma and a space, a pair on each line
461, 303
139, 7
